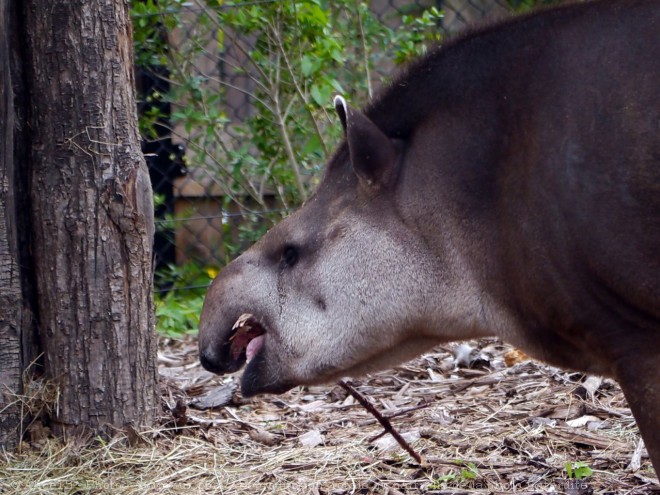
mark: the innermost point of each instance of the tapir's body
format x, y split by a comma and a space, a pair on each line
507, 184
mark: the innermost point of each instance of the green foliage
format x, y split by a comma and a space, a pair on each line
441, 481
150, 46
293, 56
178, 308
577, 470
416, 33
178, 314
467, 473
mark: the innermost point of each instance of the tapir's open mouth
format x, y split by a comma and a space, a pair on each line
246, 338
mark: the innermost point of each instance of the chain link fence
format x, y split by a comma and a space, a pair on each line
214, 104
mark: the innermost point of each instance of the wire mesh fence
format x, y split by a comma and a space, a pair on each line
235, 103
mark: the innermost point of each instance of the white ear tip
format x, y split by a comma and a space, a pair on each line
339, 100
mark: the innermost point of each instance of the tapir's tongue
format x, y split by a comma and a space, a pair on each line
253, 347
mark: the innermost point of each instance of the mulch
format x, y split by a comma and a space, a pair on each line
483, 416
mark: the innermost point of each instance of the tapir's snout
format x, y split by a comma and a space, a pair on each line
215, 354
229, 334
225, 346
217, 359
215, 329
209, 360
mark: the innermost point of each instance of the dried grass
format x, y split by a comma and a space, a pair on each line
509, 427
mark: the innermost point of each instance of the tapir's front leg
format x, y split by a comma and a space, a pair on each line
639, 377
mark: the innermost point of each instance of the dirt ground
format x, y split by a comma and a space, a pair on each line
484, 418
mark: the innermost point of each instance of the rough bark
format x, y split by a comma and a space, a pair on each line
18, 331
91, 215
11, 364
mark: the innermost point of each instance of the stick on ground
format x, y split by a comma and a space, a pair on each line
364, 402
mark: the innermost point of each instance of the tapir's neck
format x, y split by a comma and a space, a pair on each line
451, 183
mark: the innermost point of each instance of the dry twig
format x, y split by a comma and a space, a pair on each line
364, 402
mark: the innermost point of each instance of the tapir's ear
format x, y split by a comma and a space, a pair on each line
342, 109
374, 155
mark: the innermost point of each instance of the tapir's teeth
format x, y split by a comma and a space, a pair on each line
243, 320
243, 324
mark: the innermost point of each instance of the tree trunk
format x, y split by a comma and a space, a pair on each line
18, 331
91, 215
11, 365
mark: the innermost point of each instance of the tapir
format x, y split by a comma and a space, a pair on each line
505, 184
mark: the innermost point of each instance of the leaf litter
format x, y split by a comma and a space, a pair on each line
483, 417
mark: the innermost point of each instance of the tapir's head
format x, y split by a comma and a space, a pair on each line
339, 288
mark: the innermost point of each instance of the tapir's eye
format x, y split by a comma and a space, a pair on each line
289, 256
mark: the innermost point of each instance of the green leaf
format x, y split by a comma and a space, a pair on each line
581, 470
569, 469
321, 94
307, 66
336, 85
468, 474
313, 145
